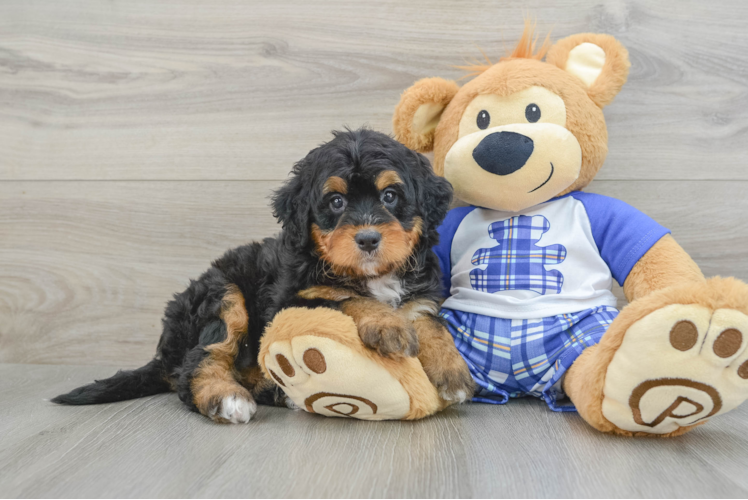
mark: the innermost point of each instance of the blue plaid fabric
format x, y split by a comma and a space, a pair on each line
511, 358
517, 262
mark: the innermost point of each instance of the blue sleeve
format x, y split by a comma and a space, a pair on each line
622, 233
443, 249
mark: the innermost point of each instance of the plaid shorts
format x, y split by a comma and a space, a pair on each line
510, 358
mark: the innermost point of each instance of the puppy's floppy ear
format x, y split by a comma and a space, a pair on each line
419, 110
434, 194
292, 206
599, 61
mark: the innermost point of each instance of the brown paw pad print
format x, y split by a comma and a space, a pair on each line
712, 370
313, 360
324, 376
345, 405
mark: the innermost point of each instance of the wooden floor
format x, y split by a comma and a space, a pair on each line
141, 139
154, 447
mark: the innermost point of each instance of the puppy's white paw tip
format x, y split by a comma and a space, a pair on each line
237, 410
291, 405
459, 396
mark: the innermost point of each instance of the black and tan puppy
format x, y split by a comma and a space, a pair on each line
359, 217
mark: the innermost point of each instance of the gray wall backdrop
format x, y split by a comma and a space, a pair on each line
140, 139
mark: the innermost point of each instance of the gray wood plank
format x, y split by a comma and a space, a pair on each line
110, 255
218, 100
241, 90
156, 447
87, 267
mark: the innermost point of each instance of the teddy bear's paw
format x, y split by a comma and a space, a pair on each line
323, 376
677, 367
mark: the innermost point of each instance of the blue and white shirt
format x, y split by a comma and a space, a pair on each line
554, 258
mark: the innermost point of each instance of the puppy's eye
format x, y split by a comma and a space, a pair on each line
389, 197
338, 203
483, 119
532, 113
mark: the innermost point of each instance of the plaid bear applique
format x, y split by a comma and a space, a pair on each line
517, 263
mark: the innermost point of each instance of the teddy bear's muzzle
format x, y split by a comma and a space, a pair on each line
515, 166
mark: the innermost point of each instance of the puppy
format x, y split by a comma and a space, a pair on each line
359, 217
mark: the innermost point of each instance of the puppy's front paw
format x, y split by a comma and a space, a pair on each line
390, 336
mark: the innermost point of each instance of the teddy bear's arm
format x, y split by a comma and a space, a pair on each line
666, 264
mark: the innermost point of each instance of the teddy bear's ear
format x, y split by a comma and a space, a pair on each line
599, 61
419, 111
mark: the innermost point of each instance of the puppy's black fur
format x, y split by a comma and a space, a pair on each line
270, 274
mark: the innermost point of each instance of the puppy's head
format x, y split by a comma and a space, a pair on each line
363, 203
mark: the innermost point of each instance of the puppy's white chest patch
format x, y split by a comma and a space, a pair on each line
387, 289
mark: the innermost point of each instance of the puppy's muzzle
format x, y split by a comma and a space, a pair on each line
368, 240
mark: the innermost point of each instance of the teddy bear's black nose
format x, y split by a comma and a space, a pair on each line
502, 153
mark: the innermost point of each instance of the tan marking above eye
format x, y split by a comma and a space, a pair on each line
507, 110
335, 184
386, 179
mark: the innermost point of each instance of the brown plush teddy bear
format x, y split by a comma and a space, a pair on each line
528, 266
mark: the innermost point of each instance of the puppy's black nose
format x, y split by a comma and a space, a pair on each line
502, 153
368, 240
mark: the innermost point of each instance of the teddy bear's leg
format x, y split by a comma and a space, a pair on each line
669, 362
317, 357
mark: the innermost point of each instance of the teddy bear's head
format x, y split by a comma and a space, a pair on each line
522, 131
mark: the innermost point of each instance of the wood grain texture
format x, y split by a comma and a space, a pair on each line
141, 139
184, 89
86, 268
154, 447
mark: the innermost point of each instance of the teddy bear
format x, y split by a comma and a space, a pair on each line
528, 264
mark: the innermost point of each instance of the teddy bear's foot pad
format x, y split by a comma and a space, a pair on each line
323, 376
677, 367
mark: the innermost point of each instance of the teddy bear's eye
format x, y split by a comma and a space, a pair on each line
483, 119
532, 113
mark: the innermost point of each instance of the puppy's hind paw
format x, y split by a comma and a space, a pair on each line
291, 405
233, 409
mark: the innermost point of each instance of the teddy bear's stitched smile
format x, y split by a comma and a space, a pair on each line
544, 182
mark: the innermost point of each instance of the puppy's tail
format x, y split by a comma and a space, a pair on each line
125, 384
